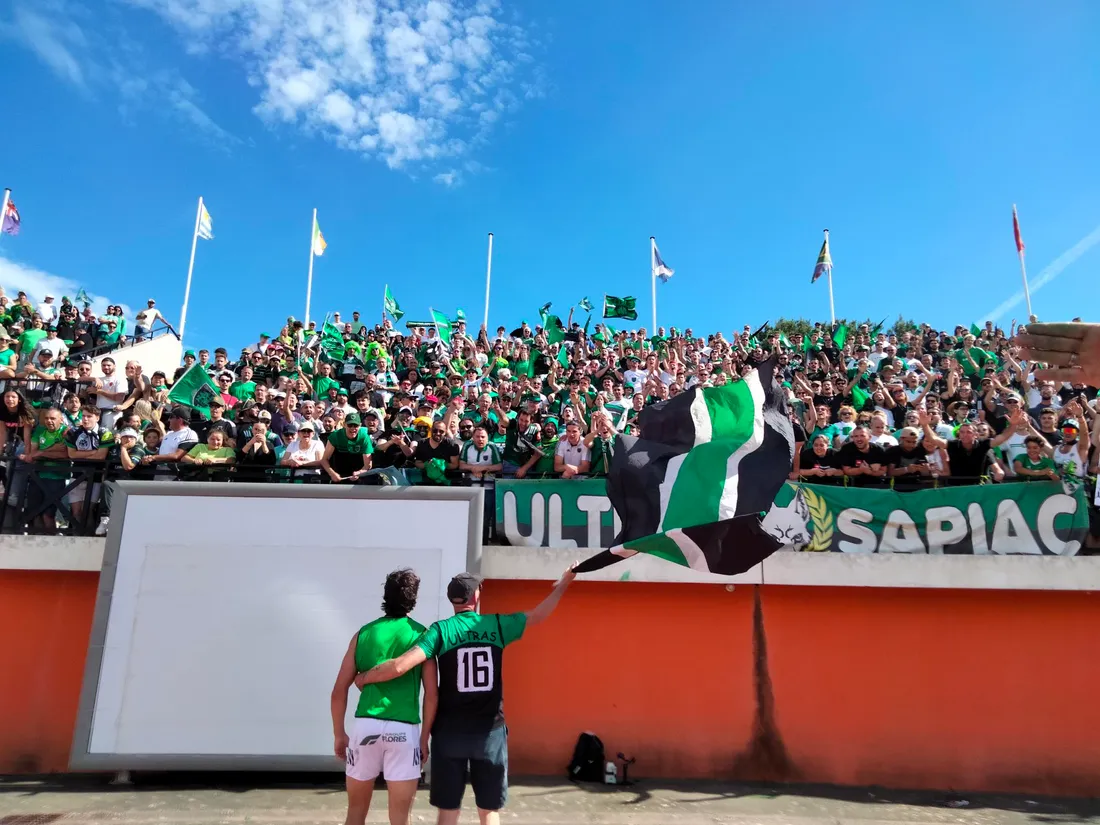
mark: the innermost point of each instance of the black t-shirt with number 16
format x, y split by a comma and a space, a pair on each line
470, 648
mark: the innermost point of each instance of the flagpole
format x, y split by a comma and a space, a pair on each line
653, 278
385, 290
309, 281
4, 207
1023, 267
190, 268
832, 307
488, 275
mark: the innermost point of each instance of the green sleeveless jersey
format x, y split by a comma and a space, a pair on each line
399, 699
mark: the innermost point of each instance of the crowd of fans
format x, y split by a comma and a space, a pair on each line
869, 408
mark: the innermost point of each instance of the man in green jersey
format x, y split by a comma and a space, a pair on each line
386, 737
469, 737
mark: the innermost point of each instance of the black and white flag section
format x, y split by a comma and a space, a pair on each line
695, 487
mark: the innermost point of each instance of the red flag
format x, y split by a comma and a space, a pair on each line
1016, 231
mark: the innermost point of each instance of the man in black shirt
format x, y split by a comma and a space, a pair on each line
437, 446
908, 461
969, 455
862, 461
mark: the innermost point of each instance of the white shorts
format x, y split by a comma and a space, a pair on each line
378, 746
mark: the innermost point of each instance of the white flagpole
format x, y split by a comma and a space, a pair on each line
653, 278
832, 307
488, 275
1023, 268
385, 289
4, 207
190, 269
309, 282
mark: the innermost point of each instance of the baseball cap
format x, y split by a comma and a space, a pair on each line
306, 425
352, 418
462, 587
1070, 422
127, 432
909, 431
180, 412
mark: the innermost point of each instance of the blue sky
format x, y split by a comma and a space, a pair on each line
733, 132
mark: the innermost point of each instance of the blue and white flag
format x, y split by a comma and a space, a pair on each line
660, 269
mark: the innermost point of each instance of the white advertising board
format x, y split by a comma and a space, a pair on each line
224, 610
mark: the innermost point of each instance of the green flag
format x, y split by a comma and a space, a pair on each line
840, 336
544, 312
785, 341
389, 304
563, 357
460, 315
585, 304
442, 326
532, 357
975, 330
195, 389
859, 397
586, 322
879, 326
332, 340
554, 331
620, 307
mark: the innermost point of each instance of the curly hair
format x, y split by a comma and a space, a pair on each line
399, 593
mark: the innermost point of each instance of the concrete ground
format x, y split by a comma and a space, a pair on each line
211, 799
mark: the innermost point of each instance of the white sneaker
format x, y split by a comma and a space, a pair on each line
101, 529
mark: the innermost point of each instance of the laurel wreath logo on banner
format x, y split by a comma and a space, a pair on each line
823, 521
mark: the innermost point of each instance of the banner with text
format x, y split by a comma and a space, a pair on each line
1016, 518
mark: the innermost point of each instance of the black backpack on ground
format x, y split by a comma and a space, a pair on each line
588, 759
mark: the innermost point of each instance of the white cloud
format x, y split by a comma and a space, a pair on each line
447, 179
15, 276
394, 79
52, 38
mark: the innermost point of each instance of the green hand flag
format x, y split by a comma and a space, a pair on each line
196, 390
585, 304
544, 312
859, 397
554, 331
620, 308
460, 315
389, 304
840, 336
563, 357
442, 326
332, 340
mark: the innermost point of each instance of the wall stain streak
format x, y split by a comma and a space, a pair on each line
765, 758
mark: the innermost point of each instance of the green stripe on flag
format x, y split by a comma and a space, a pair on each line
661, 546
696, 482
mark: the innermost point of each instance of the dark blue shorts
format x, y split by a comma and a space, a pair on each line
480, 757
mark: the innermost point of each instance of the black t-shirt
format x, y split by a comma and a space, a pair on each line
204, 428
808, 460
446, 448
833, 402
898, 456
851, 456
969, 464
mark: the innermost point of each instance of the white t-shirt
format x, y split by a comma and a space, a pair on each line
573, 455
884, 440
311, 452
636, 378
47, 312
1013, 449
147, 317
115, 383
173, 438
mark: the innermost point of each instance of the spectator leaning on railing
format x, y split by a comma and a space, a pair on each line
909, 410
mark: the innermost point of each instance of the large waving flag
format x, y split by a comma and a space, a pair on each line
206, 224
824, 261
694, 490
620, 307
9, 225
319, 244
660, 269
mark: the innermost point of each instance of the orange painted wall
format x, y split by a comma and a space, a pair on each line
45, 621
977, 690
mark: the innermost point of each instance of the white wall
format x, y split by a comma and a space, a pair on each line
164, 353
